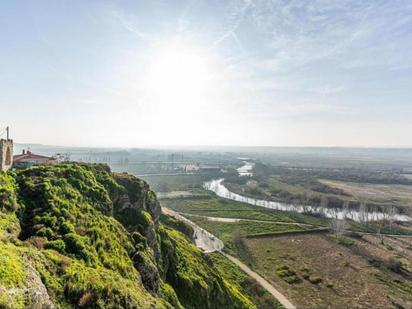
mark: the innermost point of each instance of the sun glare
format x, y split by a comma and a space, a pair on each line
178, 78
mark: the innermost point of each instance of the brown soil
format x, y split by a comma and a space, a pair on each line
348, 279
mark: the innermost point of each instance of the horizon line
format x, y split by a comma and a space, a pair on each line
158, 146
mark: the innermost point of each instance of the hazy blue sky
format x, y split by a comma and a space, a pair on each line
130, 73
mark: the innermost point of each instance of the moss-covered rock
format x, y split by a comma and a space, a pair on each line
77, 235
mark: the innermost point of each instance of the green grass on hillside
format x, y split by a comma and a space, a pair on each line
94, 240
262, 298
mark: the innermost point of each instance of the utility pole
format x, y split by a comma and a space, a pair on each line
7, 129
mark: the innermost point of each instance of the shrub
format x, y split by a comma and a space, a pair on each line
345, 241
66, 228
394, 265
315, 279
374, 262
57, 245
75, 245
45, 232
292, 279
287, 274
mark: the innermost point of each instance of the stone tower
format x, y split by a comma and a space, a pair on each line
6, 153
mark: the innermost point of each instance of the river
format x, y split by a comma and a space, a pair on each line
220, 190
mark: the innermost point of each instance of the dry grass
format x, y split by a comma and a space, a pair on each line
379, 193
329, 275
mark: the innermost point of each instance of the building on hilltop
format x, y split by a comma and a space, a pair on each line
6, 152
27, 159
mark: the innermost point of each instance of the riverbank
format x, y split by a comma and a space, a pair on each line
221, 190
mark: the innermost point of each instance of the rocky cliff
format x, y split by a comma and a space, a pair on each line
80, 236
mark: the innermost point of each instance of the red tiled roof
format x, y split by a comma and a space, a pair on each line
30, 156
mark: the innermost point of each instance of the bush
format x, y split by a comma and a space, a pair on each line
66, 227
287, 274
57, 245
45, 232
345, 241
394, 265
374, 262
315, 279
75, 245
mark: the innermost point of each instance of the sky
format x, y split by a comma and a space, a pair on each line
216, 72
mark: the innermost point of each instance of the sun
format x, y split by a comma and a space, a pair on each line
178, 78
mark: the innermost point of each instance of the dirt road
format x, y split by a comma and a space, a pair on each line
210, 243
268, 287
203, 239
234, 220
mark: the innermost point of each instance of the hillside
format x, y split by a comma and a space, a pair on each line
78, 235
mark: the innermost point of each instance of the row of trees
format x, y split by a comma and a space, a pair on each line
375, 220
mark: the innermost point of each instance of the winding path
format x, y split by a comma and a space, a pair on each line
265, 284
210, 243
203, 239
234, 220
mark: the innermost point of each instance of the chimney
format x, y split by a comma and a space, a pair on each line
24, 151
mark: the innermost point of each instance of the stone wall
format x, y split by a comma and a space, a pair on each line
6, 154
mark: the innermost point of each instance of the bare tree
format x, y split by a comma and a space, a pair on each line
324, 201
392, 212
345, 209
409, 215
380, 223
338, 224
363, 213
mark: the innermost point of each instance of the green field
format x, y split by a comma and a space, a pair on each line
214, 206
228, 232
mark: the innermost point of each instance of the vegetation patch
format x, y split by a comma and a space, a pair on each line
287, 274
91, 238
12, 272
261, 298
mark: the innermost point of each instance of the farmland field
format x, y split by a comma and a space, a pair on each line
316, 271
378, 193
228, 232
213, 206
